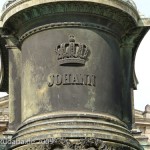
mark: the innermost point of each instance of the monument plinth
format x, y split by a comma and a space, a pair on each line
72, 73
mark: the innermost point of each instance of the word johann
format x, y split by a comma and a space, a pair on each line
71, 79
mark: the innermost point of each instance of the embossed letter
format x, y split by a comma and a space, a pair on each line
50, 80
58, 79
66, 79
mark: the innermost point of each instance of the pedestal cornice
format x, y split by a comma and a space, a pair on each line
22, 12
18, 6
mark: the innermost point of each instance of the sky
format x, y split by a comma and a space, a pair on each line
142, 69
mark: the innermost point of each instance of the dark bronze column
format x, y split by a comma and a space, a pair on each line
76, 73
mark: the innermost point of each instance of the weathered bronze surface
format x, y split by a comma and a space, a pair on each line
72, 73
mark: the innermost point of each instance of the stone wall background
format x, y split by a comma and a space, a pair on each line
141, 129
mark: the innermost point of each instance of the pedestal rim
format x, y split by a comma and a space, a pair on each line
75, 126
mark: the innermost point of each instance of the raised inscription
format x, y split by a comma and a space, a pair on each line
71, 79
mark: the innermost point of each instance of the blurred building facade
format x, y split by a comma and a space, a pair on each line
141, 129
4, 119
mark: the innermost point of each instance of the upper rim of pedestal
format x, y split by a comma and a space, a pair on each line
130, 2
10, 2
12, 7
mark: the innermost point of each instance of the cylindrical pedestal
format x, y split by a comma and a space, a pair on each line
71, 83
72, 79
71, 69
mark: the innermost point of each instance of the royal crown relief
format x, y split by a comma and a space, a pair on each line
72, 54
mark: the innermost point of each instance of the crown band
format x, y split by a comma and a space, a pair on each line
71, 61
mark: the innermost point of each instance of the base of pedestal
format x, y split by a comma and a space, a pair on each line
74, 130
82, 144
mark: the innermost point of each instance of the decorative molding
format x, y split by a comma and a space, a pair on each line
67, 25
144, 22
74, 127
37, 12
87, 143
19, 5
131, 3
10, 2
74, 144
71, 114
